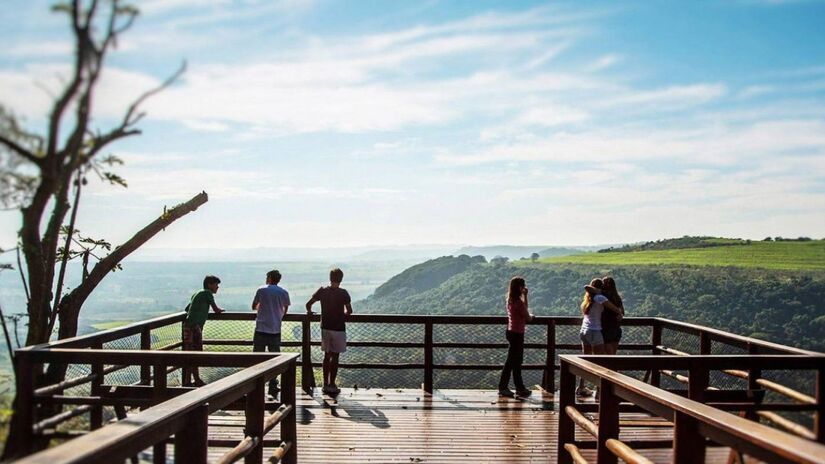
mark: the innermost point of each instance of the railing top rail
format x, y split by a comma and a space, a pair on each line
85, 341
149, 358
733, 339
709, 362
82, 341
138, 432
733, 428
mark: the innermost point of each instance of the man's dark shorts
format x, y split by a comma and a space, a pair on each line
193, 338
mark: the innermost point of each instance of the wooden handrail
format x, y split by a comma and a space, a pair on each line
626, 453
732, 339
122, 439
755, 439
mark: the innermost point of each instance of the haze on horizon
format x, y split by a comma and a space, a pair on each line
343, 124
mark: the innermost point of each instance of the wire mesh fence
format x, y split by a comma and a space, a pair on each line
385, 363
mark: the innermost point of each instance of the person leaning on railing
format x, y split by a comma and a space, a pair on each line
196, 313
517, 318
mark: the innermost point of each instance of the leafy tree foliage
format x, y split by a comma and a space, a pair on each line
781, 306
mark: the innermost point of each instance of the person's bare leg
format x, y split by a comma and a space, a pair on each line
333, 369
586, 349
326, 368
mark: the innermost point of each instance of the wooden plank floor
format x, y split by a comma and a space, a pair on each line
450, 426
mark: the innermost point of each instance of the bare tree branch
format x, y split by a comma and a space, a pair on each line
78, 295
127, 120
20, 150
22, 275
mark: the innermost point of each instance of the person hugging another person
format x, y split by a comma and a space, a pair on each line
611, 328
335, 306
517, 318
593, 306
197, 311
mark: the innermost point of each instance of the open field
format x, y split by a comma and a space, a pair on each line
765, 255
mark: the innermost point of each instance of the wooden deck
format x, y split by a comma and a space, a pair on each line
450, 426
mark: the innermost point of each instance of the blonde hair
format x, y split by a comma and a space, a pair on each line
587, 300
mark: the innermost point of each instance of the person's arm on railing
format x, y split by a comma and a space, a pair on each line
256, 302
347, 309
309, 304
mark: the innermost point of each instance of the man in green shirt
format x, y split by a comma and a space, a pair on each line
196, 313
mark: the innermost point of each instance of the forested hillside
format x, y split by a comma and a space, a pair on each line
777, 305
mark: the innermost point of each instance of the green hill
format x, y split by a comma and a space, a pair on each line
780, 305
425, 276
784, 255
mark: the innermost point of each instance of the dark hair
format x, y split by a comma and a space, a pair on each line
610, 291
514, 291
274, 276
336, 275
588, 297
209, 280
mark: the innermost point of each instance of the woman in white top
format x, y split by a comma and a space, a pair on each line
593, 305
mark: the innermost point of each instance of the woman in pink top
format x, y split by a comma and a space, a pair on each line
517, 317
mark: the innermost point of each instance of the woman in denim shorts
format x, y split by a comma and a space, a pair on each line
592, 307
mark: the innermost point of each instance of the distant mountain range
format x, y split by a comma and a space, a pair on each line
412, 253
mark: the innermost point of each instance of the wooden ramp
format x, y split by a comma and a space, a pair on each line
449, 426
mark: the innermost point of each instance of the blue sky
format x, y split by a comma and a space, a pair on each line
333, 123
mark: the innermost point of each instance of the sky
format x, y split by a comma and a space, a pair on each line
314, 123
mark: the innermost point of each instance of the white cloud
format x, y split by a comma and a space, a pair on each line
39, 49
603, 62
710, 144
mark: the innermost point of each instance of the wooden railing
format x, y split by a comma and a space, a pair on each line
698, 416
157, 361
178, 411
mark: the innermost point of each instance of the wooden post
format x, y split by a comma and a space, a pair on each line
688, 444
255, 418
191, 441
549, 378
704, 343
428, 357
145, 344
307, 370
567, 431
96, 413
159, 385
819, 415
698, 381
289, 430
24, 409
608, 422
656, 340
159, 453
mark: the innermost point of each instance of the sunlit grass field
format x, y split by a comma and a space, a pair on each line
765, 255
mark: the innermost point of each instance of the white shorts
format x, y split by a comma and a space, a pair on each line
333, 341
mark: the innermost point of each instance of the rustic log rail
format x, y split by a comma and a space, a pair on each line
184, 416
697, 418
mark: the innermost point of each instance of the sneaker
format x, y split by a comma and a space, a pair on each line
331, 390
506, 392
584, 392
199, 383
523, 393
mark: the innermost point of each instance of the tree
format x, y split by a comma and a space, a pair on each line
44, 175
534, 256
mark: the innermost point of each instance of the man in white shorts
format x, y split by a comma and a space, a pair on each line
335, 306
